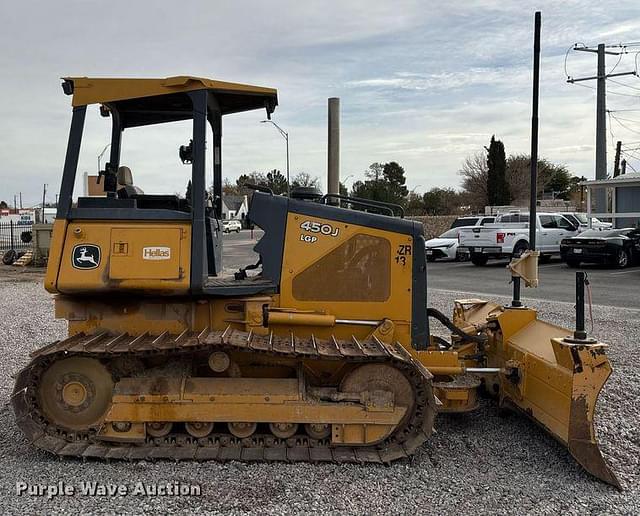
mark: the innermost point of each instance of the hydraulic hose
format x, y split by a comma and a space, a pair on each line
443, 319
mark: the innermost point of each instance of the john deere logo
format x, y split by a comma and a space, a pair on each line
86, 256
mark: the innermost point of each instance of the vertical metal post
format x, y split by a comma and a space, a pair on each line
44, 195
217, 164
534, 132
11, 233
71, 162
198, 233
111, 176
616, 162
333, 154
580, 332
286, 137
515, 302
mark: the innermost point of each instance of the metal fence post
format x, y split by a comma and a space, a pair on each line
11, 233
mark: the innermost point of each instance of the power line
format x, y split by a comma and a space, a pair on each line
625, 85
627, 153
624, 125
627, 119
611, 92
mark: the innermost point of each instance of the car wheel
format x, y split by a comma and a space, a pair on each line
520, 248
431, 258
622, 259
574, 264
237, 231
479, 259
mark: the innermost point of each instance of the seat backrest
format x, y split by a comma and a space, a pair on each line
125, 180
125, 177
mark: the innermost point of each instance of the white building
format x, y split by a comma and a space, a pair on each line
235, 207
622, 194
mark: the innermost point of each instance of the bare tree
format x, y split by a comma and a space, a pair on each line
474, 172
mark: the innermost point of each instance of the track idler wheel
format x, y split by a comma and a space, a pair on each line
381, 377
159, 428
242, 430
198, 428
75, 393
318, 431
283, 430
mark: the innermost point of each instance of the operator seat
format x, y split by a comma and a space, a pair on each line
126, 188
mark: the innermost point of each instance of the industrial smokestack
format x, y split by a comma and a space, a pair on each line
333, 154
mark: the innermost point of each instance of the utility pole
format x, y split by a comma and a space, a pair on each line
624, 167
15, 204
20, 200
44, 194
601, 121
601, 112
616, 164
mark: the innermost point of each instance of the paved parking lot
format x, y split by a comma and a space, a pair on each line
610, 287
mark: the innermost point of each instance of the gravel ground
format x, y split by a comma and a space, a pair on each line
481, 462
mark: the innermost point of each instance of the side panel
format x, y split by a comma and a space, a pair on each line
55, 255
103, 256
346, 270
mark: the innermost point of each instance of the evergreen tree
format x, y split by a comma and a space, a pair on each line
498, 193
277, 182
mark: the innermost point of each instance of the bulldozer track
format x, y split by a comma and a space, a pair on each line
44, 434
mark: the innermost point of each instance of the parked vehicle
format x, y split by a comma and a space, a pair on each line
508, 237
583, 221
231, 225
618, 247
445, 246
472, 220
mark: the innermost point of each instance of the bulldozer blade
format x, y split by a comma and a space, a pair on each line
591, 371
556, 381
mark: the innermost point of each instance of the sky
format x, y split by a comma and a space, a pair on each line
423, 83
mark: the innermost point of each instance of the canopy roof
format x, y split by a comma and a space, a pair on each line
146, 101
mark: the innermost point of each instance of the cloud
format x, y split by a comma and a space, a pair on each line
422, 83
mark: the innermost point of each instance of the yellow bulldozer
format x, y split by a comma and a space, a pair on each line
321, 351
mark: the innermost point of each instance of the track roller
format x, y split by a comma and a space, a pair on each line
242, 430
159, 428
318, 430
283, 430
198, 428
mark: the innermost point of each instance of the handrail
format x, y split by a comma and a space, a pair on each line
388, 207
259, 188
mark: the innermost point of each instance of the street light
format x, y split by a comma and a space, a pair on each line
415, 188
285, 135
102, 154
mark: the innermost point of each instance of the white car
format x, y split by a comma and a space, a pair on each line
231, 225
445, 246
583, 221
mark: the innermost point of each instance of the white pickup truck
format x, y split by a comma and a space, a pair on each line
508, 237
